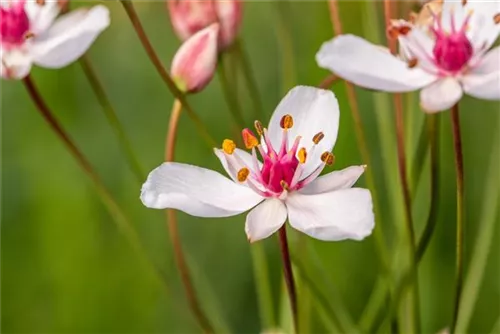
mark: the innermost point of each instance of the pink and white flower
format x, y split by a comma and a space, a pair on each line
285, 184
190, 16
31, 34
445, 58
194, 63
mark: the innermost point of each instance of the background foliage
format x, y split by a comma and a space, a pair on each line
65, 267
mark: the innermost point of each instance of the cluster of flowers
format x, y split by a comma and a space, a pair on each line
445, 55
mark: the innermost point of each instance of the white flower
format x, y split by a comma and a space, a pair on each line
30, 34
295, 149
445, 58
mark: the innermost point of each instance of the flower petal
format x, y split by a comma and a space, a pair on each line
367, 65
313, 110
69, 37
265, 219
196, 191
441, 95
342, 179
14, 64
332, 216
485, 86
41, 15
246, 158
483, 81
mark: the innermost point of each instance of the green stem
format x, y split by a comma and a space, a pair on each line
363, 148
155, 60
121, 220
285, 42
405, 282
113, 120
484, 240
249, 78
457, 143
229, 96
433, 131
264, 293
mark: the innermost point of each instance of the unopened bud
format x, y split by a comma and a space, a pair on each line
194, 63
190, 16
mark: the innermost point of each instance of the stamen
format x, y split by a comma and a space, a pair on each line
243, 174
228, 146
284, 185
328, 158
302, 155
286, 122
28, 35
318, 137
40, 2
395, 31
496, 18
464, 2
249, 139
259, 128
412, 62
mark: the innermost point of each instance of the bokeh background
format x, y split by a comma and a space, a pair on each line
67, 269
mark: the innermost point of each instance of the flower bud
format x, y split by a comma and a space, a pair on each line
194, 63
188, 17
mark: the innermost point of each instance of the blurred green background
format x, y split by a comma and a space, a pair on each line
67, 269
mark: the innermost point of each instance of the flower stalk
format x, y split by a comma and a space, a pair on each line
116, 212
155, 60
112, 117
457, 143
288, 274
180, 259
229, 95
361, 139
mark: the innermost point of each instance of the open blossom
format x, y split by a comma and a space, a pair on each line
285, 183
31, 34
445, 57
194, 63
190, 16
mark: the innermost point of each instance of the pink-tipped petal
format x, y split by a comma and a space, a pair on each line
194, 63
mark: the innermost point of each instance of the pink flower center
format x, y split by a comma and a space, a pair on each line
282, 168
14, 24
452, 50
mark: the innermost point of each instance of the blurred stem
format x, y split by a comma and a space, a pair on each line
418, 160
249, 78
285, 42
229, 95
457, 143
180, 259
288, 274
155, 60
484, 240
264, 293
327, 82
433, 134
390, 7
113, 120
405, 282
121, 220
363, 148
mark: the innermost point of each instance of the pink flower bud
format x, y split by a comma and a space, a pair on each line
188, 17
194, 63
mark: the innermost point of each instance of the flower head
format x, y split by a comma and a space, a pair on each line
189, 17
294, 149
445, 53
194, 63
30, 33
